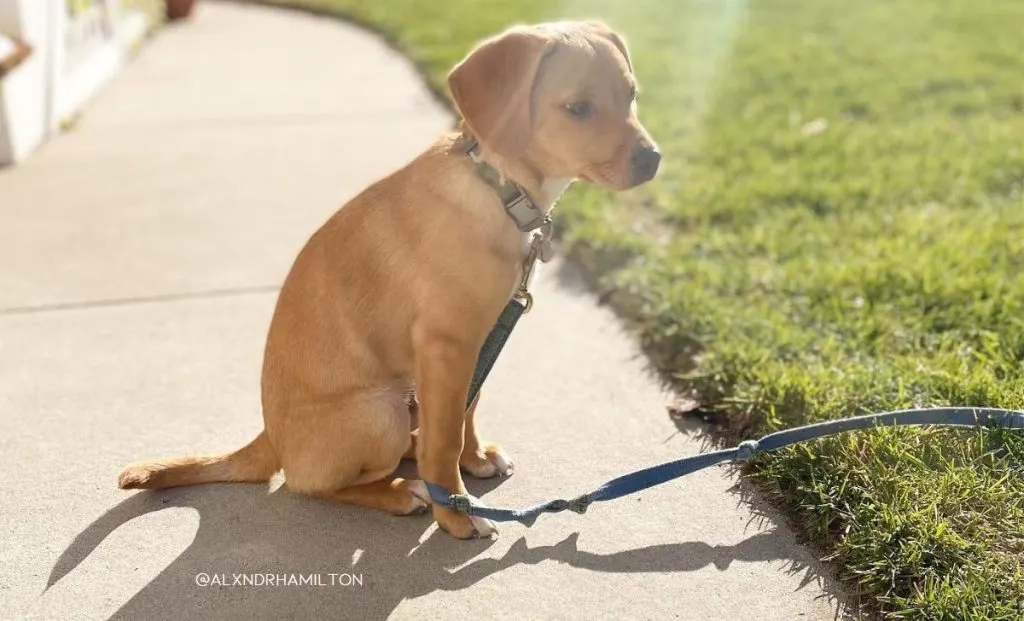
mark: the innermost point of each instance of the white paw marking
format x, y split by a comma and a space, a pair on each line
494, 464
485, 528
420, 495
502, 462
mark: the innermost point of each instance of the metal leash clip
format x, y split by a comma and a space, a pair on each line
540, 248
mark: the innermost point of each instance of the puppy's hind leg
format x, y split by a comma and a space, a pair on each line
347, 451
392, 495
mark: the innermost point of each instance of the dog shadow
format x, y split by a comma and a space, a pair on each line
245, 529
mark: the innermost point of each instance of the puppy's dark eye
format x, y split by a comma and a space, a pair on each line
579, 109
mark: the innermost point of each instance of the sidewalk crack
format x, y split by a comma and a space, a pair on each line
139, 300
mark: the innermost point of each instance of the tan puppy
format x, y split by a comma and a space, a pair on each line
390, 301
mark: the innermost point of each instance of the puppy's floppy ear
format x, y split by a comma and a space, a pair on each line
605, 31
493, 88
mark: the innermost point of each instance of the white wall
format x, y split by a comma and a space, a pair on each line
54, 83
23, 118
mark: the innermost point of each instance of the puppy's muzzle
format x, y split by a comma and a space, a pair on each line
644, 162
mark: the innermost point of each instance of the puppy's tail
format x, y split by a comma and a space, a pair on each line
254, 463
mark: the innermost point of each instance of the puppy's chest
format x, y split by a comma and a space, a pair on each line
524, 251
524, 246
514, 245
511, 251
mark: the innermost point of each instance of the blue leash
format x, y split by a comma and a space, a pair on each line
650, 477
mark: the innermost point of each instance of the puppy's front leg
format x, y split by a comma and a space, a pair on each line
444, 368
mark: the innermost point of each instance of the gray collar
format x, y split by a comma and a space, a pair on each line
517, 203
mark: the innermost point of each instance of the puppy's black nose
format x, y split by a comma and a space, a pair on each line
645, 162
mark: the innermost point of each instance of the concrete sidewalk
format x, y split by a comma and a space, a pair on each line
139, 260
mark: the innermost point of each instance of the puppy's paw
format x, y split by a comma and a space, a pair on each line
463, 526
489, 461
417, 500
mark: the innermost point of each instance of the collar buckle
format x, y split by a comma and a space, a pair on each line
517, 204
525, 214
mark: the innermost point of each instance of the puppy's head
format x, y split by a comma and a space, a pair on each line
561, 97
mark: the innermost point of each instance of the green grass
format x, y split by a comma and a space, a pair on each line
840, 227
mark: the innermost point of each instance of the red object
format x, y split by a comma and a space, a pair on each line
179, 9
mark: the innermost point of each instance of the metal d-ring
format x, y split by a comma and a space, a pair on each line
526, 297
